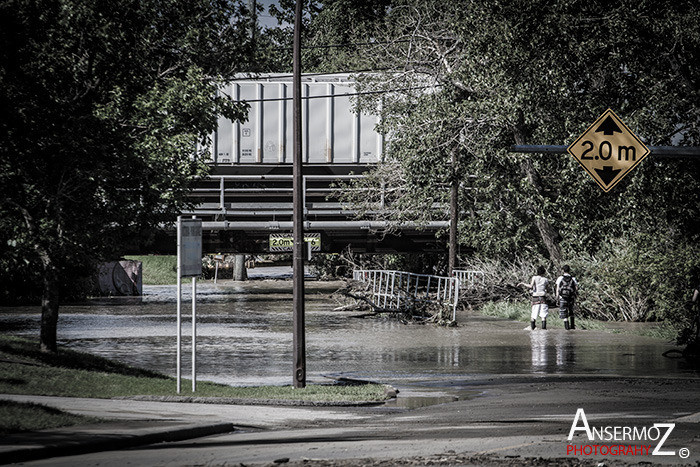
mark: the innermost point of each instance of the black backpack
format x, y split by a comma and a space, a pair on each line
567, 287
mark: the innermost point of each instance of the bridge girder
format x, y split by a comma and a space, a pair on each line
242, 205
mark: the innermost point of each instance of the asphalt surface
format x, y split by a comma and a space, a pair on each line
509, 420
129, 423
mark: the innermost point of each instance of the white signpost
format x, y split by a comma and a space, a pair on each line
189, 264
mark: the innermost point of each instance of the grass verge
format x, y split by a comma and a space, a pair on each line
24, 369
664, 331
157, 270
16, 417
520, 311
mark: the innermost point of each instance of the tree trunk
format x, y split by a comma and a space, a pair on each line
454, 214
50, 290
549, 235
49, 309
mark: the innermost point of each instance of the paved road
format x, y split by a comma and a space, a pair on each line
513, 419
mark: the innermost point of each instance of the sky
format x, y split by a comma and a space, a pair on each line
265, 19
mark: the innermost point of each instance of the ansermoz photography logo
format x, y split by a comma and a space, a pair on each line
622, 440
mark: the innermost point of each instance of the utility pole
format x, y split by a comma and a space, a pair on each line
299, 340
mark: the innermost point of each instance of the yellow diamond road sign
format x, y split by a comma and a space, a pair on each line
608, 150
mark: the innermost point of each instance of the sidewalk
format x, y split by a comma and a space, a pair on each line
131, 423
105, 436
516, 420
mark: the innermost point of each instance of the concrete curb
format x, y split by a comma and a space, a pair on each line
237, 401
105, 442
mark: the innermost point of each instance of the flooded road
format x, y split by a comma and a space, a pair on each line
244, 337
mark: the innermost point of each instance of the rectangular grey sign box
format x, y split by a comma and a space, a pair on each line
190, 247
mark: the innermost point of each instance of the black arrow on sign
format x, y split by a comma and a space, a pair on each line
607, 174
609, 127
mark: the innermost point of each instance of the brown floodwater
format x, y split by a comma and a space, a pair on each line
244, 337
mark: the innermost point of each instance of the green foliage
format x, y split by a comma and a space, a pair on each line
478, 77
642, 278
26, 370
517, 311
157, 270
520, 311
104, 103
17, 417
25, 352
333, 34
417, 263
329, 266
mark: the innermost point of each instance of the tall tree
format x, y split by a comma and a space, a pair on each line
103, 104
488, 74
335, 33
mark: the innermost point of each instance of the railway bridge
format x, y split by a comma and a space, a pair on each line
249, 193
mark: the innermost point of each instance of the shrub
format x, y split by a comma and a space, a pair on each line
640, 278
645, 278
330, 266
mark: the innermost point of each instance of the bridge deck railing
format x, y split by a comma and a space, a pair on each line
393, 289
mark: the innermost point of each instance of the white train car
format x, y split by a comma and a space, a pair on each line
333, 131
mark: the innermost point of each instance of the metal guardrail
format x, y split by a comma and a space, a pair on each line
389, 289
469, 277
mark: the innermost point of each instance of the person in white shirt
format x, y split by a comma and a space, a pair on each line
538, 286
567, 288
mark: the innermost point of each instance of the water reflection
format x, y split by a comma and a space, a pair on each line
538, 345
566, 356
245, 337
552, 351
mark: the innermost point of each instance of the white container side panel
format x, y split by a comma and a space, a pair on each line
343, 125
316, 139
332, 131
271, 125
284, 123
289, 120
224, 140
248, 134
221, 146
368, 139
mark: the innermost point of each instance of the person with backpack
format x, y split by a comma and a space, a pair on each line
567, 288
538, 286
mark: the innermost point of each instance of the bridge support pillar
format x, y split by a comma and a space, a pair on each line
239, 270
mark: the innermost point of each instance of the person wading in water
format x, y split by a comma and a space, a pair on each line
567, 288
538, 286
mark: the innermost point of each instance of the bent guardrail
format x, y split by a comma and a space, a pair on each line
393, 289
469, 277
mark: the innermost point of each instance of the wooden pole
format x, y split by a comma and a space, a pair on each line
299, 338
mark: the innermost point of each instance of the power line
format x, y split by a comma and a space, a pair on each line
279, 76
348, 44
352, 44
278, 99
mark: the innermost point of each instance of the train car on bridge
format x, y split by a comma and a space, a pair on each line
334, 132
249, 193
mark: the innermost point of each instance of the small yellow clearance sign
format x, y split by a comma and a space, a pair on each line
608, 150
285, 242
